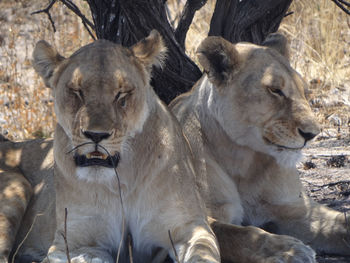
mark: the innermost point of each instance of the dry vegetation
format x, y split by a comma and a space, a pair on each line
318, 31
27, 106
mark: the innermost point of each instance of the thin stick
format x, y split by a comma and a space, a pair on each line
347, 225
120, 192
344, 2
86, 22
121, 201
65, 234
25, 238
130, 248
71, 6
339, 4
173, 246
47, 12
289, 13
80, 145
329, 184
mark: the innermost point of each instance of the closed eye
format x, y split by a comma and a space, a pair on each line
79, 94
276, 91
120, 98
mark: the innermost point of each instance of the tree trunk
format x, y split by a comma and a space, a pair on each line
247, 20
127, 21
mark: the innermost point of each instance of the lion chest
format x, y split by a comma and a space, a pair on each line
95, 218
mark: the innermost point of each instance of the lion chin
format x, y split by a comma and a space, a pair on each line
96, 173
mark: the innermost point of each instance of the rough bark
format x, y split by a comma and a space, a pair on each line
127, 21
247, 20
185, 22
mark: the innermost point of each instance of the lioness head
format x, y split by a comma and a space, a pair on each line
101, 97
257, 97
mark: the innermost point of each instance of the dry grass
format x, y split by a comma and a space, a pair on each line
27, 106
318, 32
319, 36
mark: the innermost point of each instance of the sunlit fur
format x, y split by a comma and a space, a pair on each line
104, 88
243, 120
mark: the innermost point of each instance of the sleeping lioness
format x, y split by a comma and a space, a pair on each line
122, 167
246, 121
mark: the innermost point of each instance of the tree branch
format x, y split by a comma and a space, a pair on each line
344, 2
86, 22
342, 5
125, 22
64, 235
71, 6
249, 20
47, 11
191, 7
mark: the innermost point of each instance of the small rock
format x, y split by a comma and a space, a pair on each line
337, 161
309, 165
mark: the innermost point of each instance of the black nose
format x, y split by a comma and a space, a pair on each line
307, 135
96, 137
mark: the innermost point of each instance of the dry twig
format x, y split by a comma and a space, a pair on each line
173, 246
130, 248
86, 22
65, 234
47, 11
25, 238
336, 183
89, 26
343, 5
347, 229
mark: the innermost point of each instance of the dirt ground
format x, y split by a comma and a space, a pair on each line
325, 173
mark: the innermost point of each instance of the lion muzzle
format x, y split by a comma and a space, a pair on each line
96, 158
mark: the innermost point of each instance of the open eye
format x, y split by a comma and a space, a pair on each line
276, 91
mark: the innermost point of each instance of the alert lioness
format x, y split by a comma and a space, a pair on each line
122, 166
246, 121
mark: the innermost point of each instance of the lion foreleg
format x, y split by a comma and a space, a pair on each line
199, 246
15, 193
81, 255
254, 245
324, 229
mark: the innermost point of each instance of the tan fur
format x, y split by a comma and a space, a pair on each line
26, 174
246, 120
104, 88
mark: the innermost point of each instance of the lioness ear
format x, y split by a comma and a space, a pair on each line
150, 50
278, 42
218, 57
45, 60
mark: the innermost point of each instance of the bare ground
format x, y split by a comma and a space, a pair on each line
325, 174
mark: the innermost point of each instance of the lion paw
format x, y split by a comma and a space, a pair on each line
289, 250
87, 259
82, 258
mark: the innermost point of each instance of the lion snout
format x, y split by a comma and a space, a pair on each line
308, 129
96, 137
